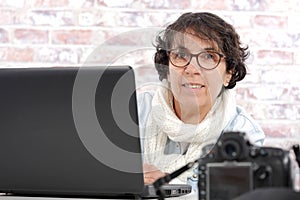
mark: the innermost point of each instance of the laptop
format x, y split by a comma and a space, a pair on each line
72, 131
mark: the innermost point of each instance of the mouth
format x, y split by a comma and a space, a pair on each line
192, 85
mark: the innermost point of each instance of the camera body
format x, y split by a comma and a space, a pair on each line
234, 166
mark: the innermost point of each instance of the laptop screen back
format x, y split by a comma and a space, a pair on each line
69, 131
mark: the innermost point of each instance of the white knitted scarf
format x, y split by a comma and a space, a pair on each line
163, 123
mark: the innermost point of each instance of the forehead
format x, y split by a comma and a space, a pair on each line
193, 42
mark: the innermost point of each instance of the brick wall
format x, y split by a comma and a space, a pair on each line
84, 32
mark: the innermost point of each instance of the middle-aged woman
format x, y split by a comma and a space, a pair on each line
199, 58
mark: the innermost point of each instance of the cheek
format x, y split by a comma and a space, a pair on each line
175, 80
174, 75
215, 82
217, 77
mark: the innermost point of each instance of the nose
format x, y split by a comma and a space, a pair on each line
192, 67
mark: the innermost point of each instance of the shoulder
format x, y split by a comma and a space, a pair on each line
244, 122
144, 97
144, 104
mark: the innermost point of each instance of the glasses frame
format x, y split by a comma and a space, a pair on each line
197, 55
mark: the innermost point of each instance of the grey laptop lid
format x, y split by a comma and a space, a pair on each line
69, 131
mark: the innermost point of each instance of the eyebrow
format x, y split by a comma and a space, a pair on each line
184, 47
210, 49
205, 49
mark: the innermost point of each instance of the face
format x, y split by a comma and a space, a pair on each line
192, 85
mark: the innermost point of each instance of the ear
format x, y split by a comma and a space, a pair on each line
227, 78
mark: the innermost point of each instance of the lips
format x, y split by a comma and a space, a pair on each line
192, 85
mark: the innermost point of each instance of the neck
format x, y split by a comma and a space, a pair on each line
191, 113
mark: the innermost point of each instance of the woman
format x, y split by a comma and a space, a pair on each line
199, 59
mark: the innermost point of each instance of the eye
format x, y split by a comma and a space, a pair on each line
181, 54
209, 56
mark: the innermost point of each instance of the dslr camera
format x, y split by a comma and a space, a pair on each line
234, 166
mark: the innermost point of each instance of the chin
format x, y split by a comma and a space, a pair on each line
193, 101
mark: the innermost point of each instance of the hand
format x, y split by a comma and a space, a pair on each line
151, 173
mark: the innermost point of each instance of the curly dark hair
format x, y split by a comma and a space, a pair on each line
206, 26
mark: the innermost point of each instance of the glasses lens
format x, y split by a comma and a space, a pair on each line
209, 59
180, 57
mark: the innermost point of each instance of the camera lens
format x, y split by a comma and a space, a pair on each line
230, 150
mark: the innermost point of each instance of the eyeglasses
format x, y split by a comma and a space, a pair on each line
206, 59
